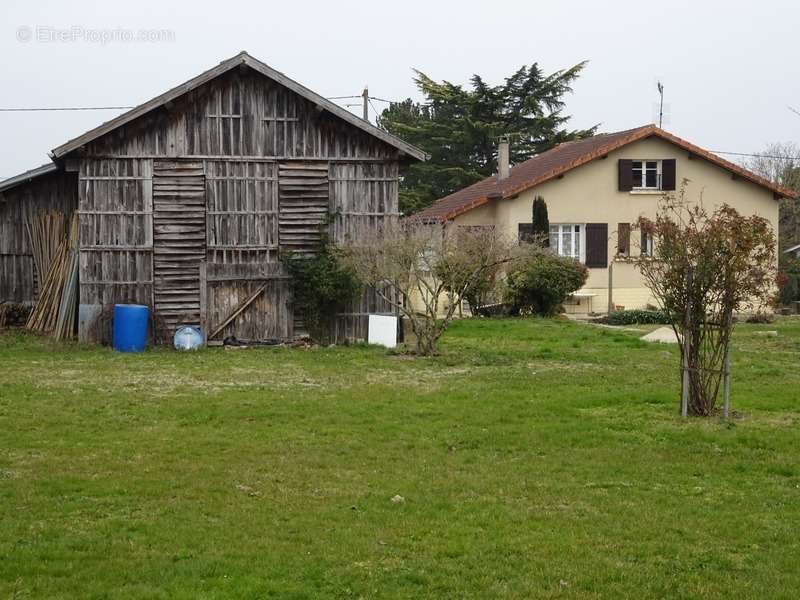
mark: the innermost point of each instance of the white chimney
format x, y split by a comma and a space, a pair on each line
503, 167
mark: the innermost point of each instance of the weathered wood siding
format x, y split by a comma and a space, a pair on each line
179, 243
364, 197
56, 191
249, 132
115, 215
241, 114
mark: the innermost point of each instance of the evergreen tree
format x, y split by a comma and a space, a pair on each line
460, 127
541, 222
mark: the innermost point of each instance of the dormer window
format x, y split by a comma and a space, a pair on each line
646, 174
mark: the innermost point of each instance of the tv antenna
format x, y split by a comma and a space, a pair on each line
660, 88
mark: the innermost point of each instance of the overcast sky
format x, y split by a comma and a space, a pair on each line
729, 68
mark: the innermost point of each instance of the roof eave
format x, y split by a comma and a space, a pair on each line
27, 176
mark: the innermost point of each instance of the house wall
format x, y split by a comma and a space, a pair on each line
18, 206
244, 129
589, 194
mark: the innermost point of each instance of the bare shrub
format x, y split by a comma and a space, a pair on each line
705, 266
426, 270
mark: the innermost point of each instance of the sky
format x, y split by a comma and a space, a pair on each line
729, 69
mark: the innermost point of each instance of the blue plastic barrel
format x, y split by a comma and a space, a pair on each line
130, 327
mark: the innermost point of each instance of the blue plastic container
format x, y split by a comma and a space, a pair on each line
129, 328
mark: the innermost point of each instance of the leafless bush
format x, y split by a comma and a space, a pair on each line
425, 270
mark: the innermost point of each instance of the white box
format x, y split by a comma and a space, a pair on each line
382, 330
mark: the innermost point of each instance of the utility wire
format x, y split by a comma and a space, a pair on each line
797, 158
69, 108
377, 114
375, 110
61, 108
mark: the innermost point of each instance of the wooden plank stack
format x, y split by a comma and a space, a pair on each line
56, 308
46, 233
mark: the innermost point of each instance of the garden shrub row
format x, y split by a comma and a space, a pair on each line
635, 317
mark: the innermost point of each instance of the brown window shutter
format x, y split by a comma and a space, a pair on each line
624, 239
525, 232
668, 174
597, 245
625, 175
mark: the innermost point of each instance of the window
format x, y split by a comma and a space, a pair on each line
623, 239
567, 240
646, 174
646, 244
525, 233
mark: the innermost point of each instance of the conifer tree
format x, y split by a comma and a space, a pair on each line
540, 220
459, 128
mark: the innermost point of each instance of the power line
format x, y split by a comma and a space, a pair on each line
370, 99
377, 114
72, 108
63, 108
754, 155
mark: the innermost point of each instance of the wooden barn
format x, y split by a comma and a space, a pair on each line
186, 202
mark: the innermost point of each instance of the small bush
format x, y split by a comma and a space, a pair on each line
789, 281
540, 282
635, 317
321, 287
761, 317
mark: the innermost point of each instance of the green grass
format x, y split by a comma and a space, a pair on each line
536, 459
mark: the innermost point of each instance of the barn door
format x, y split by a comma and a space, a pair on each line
303, 206
179, 243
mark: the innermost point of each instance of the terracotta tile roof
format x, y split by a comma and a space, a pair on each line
564, 157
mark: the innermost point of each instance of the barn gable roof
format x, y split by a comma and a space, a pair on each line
565, 157
243, 58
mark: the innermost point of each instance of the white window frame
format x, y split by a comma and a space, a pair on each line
563, 228
644, 170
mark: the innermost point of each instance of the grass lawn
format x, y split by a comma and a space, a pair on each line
535, 458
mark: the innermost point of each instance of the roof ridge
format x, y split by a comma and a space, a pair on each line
223, 67
519, 180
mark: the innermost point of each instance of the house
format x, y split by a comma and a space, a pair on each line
186, 202
595, 189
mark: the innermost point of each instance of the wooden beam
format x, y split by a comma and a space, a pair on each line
203, 295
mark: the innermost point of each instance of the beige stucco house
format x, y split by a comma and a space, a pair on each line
595, 189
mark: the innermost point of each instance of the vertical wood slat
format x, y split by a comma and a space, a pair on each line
204, 297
